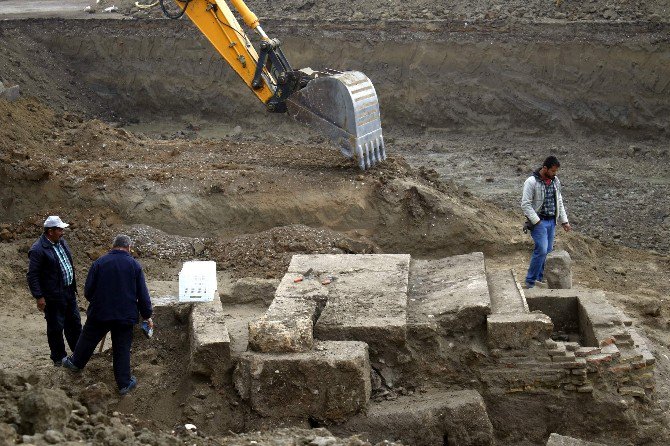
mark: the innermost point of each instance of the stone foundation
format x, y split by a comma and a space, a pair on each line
329, 383
454, 418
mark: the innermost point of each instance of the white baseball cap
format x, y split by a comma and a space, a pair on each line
54, 221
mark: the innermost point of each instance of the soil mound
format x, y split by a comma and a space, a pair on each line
32, 412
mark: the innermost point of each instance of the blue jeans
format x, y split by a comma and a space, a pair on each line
122, 339
543, 236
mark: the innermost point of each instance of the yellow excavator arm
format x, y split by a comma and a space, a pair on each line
217, 22
343, 105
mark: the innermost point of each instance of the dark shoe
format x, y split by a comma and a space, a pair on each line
126, 390
527, 286
59, 363
67, 363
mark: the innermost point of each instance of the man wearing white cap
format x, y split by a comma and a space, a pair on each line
52, 283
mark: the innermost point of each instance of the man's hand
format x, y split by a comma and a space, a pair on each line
567, 227
150, 322
41, 304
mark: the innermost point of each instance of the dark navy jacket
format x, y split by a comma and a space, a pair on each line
116, 289
45, 278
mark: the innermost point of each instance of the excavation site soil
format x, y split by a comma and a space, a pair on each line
128, 122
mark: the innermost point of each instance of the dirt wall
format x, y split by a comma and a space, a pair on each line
554, 78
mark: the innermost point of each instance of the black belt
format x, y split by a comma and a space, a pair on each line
547, 217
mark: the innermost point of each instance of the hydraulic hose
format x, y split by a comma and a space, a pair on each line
170, 15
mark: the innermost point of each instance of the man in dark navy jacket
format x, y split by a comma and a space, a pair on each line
52, 283
116, 290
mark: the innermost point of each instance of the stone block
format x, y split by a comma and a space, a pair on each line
641, 346
610, 349
286, 326
329, 383
458, 416
251, 289
585, 389
567, 357
586, 351
506, 297
365, 296
517, 330
209, 341
558, 270
559, 350
12, 93
451, 292
560, 440
168, 309
632, 391
599, 359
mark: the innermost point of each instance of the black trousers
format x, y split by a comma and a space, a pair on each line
122, 339
62, 316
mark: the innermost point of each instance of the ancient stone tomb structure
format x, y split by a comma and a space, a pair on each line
339, 323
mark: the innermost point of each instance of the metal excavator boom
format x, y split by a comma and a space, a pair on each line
341, 104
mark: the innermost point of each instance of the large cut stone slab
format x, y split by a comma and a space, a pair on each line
517, 330
452, 291
286, 326
431, 419
506, 297
365, 295
210, 342
331, 382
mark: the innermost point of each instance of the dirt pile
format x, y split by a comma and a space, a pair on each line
35, 414
98, 174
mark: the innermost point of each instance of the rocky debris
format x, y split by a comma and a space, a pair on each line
151, 242
69, 421
96, 397
268, 253
558, 270
42, 409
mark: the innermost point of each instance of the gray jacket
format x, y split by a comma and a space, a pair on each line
533, 198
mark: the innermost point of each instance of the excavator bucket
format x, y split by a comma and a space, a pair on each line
344, 106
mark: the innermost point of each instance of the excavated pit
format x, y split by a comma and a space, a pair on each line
445, 75
260, 184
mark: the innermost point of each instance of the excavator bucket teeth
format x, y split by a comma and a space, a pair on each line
344, 106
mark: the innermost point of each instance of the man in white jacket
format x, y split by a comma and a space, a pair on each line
542, 204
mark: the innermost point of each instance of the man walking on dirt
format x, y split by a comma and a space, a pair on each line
52, 283
542, 204
116, 290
